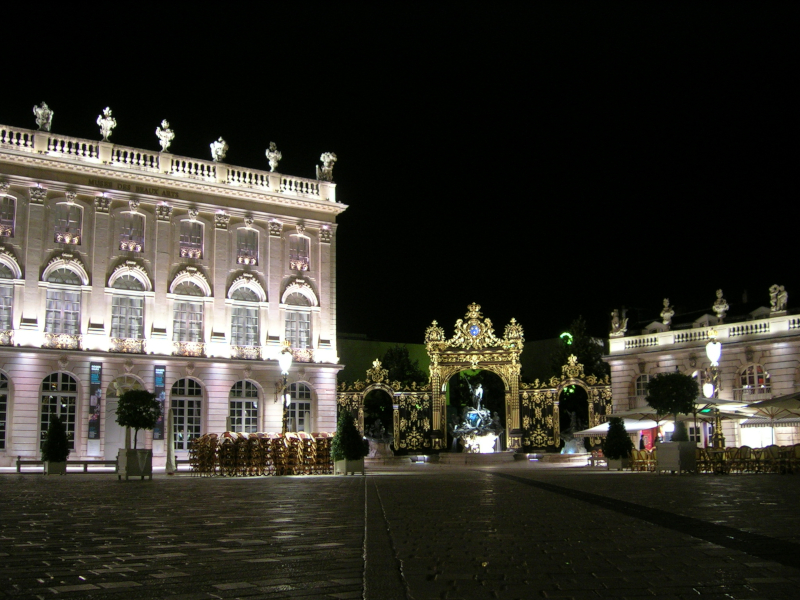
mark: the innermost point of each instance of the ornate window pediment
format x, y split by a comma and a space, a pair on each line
134, 270
8, 260
248, 281
299, 286
190, 274
68, 261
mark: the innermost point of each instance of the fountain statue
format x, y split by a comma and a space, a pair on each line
476, 428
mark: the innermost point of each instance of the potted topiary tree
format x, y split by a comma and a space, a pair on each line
674, 393
55, 448
618, 445
136, 409
349, 447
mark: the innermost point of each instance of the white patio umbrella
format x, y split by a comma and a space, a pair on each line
778, 409
631, 426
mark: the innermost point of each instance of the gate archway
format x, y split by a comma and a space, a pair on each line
474, 345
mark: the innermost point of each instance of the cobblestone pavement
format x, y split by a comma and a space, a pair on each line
438, 532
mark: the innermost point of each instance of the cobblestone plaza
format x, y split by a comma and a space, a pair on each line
423, 532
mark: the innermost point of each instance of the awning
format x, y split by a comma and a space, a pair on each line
765, 422
631, 426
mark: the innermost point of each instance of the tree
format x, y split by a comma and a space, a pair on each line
138, 409
401, 368
617, 444
587, 349
348, 443
672, 394
56, 443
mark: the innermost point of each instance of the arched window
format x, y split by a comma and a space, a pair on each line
298, 322
300, 415
63, 308
191, 242
753, 380
298, 252
131, 236
59, 399
244, 317
243, 411
186, 402
8, 212
3, 409
6, 298
68, 218
247, 246
187, 313
127, 309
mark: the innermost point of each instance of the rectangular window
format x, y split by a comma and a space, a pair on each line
127, 317
247, 247
298, 329
191, 239
8, 207
186, 418
68, 223
63, 312
298, 253
244, 326
131, 238
6, 304
244, 416
187, 323
694, 434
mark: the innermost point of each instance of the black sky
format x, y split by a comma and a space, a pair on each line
544, 161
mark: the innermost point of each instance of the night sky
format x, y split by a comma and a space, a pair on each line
545, 162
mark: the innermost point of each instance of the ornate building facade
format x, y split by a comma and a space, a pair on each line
760, 360
122, 267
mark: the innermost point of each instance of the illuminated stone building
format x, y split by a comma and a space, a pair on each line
124, 267
760, 360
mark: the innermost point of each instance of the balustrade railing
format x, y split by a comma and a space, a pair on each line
193, 168
196, 349
752, 394
62, 341
72, 147
7, 337
128, 345
248, 177
132, 157
763, 327
246, 352
16, 138
303, 354
295, 185
149, 161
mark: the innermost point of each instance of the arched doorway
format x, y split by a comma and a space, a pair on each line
472, 391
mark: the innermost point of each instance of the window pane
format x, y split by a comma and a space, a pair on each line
6, 305
7, 214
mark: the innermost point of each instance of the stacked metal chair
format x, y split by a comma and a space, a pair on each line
294, 454
203, 455
280, 453
324, 463
228, 452
309, 455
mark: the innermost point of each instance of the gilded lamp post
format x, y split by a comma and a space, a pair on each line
285, 362
711, 388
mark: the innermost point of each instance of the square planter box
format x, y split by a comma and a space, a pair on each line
617, 464
343, 467
55, 468
676, 456
134, 463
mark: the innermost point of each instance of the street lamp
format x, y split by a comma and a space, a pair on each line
711, 388
285, 361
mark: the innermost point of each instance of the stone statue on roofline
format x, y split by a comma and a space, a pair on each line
273, 156
107, 123
44, 116
218, 150
165, 135
325, 173
667, 314
778, 297
618, 326
720, 306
